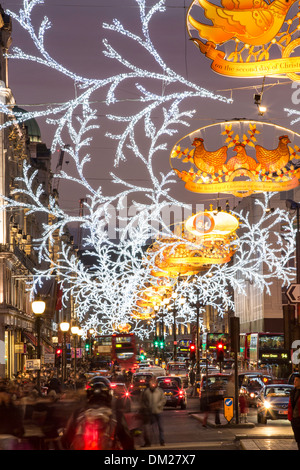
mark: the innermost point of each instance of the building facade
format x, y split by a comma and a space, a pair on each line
18, 229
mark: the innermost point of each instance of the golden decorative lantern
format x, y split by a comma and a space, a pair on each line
247, 39
208, 238
250, 156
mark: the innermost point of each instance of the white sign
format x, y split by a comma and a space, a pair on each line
293, 293
49, 358
33, 364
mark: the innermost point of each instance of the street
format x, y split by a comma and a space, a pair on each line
183, 431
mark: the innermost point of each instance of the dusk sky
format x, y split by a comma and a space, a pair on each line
75, 41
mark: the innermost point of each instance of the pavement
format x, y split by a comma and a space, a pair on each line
248, 442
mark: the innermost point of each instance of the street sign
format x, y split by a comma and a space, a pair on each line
293, 293
49, 358
228, 408
32, 364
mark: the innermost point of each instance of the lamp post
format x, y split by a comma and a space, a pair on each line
292, 205
174, 297
38, 307
91, 332
64, 326
156, 309
74, 331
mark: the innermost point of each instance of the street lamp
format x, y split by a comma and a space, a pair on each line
74, 331
64, 326
38, 307
174, 297
292, 205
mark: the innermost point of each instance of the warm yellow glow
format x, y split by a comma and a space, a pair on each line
74, 330
38, 307
64, 326
224, 224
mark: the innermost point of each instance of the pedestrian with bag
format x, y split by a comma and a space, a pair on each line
294, 409
153, 401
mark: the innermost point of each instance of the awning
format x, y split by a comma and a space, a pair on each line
48, 348
31, 338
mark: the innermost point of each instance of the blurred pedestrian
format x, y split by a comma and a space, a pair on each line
294, 409
55, 385
243, 404
192, 376
11, 421
152, 403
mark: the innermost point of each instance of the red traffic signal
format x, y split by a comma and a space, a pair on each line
220, 352
192, 351
58, 352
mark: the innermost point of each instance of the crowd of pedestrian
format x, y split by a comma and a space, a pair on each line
32, 417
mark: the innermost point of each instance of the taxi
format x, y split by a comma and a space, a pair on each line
173, 390
140, 381
272, 402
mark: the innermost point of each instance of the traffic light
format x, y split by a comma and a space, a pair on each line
87, 347
58, 356
192, 351
220, 352
156, 342
143, 355
68, 353
162, 343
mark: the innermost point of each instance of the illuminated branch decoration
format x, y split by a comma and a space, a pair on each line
106, 292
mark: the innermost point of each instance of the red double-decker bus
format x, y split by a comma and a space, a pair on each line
118, 349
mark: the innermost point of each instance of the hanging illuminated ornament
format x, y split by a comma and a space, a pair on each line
142, 313
208, 238
209, 226
246, 157
123, 327
250, 38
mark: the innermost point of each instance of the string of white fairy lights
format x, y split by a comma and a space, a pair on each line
106, 292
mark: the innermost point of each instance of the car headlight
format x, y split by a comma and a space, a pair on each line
267, 405
252, 395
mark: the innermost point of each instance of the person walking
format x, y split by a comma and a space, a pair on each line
11, 419
294, 409
152, 403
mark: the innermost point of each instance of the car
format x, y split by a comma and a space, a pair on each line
251, 386
140, 381
272, 402
228, 364
155, 370
179, 369
266, 378
210, 370
173, 390
214, 390
291, 378
121, 392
